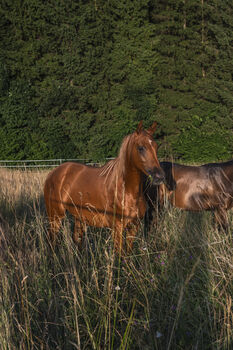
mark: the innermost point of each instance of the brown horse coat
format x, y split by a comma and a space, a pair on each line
206, 187
109, 196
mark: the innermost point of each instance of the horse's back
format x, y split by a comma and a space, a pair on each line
56, 175
178, 175
184, 183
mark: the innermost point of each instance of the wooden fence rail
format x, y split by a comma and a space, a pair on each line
43, 163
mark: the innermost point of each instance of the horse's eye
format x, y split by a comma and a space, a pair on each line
141, 149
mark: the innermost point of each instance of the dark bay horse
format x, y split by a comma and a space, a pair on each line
109, 196
195, 188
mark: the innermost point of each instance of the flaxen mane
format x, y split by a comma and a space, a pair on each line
115, 168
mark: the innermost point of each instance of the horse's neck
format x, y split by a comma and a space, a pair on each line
125, 179
132, 180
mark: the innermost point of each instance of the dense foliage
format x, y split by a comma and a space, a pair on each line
76, 76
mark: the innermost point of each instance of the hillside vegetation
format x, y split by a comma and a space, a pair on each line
76, 76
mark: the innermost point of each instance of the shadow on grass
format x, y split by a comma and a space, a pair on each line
192, 322
30, 292
191, 312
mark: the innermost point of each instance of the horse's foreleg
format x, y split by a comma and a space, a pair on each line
131, 231
221, 218
118, 238
149, 219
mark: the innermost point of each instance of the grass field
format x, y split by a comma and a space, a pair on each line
174, 292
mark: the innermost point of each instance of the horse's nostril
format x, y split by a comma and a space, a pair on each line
161, 176
157, 176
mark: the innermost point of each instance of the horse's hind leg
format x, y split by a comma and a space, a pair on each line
55, 219
55, 224
221, 218
79, 228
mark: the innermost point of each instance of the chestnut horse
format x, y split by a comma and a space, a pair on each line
195, 188
110, 196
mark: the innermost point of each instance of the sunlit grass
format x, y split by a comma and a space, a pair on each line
174, 291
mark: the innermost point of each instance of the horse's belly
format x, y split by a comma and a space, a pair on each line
178, 200
203, 201
186, 201
101, 212
97, 220
92, 215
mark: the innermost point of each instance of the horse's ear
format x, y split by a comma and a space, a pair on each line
139, 128
152, 129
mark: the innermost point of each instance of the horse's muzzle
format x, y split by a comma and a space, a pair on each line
156, 176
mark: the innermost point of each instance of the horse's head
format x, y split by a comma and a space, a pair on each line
144, 154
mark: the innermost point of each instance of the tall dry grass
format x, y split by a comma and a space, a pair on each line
174, 292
